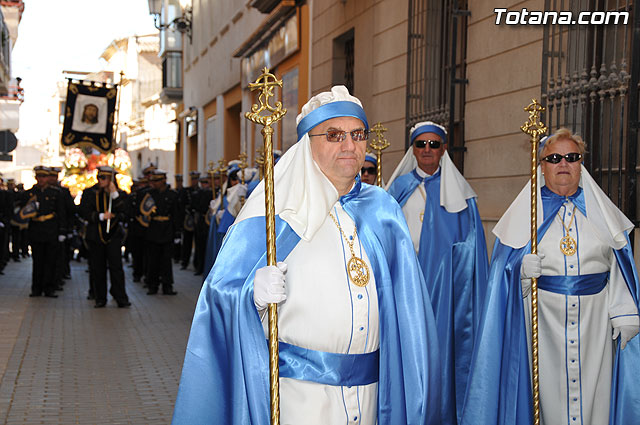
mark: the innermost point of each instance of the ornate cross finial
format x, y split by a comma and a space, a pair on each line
379, 144
211, 169
533, 127
222, 166
265, 83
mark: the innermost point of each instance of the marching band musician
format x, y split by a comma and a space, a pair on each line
43, 205
160, 205
103, 206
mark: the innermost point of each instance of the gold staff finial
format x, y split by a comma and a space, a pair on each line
534, 128
266, 82
379, 144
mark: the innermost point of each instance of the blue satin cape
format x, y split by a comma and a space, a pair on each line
454, 260
214, 241
499, 390
225, 377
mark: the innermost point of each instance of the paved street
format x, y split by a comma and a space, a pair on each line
64, 362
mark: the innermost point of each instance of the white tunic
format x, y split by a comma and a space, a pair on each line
413, 210
325, 312
575, 345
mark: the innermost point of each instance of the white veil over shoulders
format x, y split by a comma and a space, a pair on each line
303, 194
610, 224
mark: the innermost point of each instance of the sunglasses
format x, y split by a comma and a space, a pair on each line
433, 144
370, 170
104, 177
555, 158
337, 136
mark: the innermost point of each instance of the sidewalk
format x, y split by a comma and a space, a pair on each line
64, 362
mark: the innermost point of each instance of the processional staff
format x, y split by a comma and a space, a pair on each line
534, 128
243, 165
379, 144
260, 161
222, 168
266, 83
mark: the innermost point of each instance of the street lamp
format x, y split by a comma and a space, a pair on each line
181, 23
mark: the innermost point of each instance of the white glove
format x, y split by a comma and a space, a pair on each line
268, 286
219, 215
101, 216
242, 190
16, 210
626, 332
1, 225
176, 241
531, 267
37, 204
61, 238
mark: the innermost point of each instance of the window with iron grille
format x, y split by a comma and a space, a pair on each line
343, 60
590, 86
436, 68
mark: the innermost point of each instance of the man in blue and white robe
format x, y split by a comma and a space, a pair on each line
348, 354
447, 234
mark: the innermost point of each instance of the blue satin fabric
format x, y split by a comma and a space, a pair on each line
453, 257
499, 389
225, 377
429, 129
252, 186
327, 111
214, 242
585, 284
328, 368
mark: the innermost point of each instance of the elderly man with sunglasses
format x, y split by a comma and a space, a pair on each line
356, 328
587, 305
447, 234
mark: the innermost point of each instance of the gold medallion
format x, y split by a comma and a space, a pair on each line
421, 217
358, 271
568, 246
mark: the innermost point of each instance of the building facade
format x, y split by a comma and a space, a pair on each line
470, 66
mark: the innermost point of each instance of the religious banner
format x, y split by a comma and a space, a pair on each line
89, 116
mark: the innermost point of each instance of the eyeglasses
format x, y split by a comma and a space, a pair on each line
433, 144
337, 136
370, 170
555, 158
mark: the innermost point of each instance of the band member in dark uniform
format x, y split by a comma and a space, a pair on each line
104, 207
200, 206
43, 205
138, 227
189, 219
177, 247
160, 205
63, 254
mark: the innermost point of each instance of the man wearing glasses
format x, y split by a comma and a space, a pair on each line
356, 330
587, 304
447, 234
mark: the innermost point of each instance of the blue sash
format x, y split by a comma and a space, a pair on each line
328, 368
586, 284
